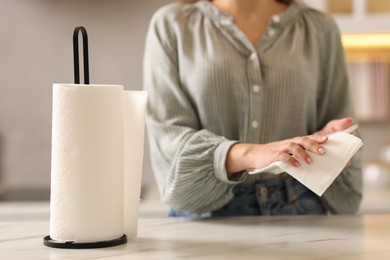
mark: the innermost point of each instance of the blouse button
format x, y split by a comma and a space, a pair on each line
253, 56
226, 22
271, 32
254, 124
256, 88
276, 18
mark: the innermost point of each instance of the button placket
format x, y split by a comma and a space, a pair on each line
275, 20
254, 80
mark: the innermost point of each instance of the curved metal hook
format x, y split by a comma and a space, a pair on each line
76, 55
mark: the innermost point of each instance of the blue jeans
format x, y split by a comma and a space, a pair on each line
279, 196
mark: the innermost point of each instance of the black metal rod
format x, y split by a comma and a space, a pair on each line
76, 55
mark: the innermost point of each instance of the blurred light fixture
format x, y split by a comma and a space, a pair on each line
352, 41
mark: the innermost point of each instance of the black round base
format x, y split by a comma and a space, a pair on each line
47, 241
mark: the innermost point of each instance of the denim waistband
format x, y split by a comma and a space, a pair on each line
282, 195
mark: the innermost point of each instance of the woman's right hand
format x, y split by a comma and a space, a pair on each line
243, 156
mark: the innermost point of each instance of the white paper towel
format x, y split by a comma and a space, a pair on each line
87, 177
319, 175
135, 108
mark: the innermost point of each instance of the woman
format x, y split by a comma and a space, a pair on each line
234, 85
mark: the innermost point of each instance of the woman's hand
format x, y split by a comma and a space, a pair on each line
335, 125
248, 156
243, 156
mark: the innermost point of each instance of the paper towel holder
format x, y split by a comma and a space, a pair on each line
47, 240
76, 54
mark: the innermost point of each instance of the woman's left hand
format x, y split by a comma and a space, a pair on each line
334, 126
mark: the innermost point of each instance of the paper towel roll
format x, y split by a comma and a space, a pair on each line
87, 163
135, 106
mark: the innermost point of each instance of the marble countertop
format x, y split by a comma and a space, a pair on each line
362, 236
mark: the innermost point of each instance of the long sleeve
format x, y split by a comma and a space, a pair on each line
188, 161
334, 101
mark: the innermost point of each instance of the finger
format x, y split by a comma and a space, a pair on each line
288, 158
310, 144
339, 124
298, 151
345, 123
319, 138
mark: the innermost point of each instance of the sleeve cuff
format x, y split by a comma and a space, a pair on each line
220, 161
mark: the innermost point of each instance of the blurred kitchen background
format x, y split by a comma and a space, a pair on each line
36, 51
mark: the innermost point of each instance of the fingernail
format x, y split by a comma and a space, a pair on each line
297, 164
323, 137
309, 160
321, 150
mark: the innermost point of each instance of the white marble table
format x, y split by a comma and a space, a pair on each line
23, 226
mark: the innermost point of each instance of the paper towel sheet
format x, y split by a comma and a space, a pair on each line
90, 136
319, 175
135, 108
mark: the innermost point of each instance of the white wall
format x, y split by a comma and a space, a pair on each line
36, 51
